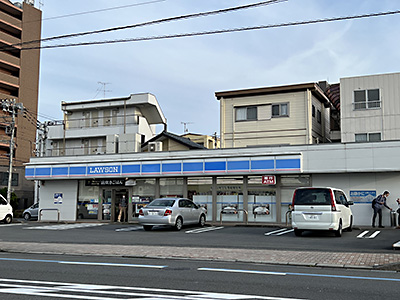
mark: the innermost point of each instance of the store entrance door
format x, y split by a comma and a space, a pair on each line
113, 205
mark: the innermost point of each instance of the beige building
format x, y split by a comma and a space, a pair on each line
370, 108
210, 142
281, 115
20, 22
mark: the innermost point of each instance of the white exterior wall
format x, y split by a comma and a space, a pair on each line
378, 182
69, 189
265, 130
384, 119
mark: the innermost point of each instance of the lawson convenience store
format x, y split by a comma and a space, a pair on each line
233, 187
228, 182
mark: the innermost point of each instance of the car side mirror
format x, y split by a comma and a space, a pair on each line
350, 202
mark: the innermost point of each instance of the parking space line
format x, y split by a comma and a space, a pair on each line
396, 245
276, 231
285, 232
136, 228
360, 236
374, 234
7, 225
202, 230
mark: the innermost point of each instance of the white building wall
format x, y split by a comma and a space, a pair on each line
384, 119
378, 182
69, 190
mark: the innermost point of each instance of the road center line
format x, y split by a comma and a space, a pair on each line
297, 274
85, 263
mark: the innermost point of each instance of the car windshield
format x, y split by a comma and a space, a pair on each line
162, 202
312, 197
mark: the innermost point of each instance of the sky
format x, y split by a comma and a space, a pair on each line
185, 73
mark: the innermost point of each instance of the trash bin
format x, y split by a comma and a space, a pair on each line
393, 219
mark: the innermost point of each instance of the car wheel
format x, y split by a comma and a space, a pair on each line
147, 227
298, 232
202, 220
339, 231
8, 219
27, 216
178, 224
350, 228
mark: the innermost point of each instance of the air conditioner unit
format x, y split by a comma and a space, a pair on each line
155, 146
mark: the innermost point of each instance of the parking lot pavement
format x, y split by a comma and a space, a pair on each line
365, 248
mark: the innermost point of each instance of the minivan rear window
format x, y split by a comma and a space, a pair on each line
312, 197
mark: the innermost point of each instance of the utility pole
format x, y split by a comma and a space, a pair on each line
12, 107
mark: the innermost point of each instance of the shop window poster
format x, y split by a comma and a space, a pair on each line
58, 198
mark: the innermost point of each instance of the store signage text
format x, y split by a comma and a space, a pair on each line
104, 170
270, 179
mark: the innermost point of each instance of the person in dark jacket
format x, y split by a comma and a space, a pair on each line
379, 203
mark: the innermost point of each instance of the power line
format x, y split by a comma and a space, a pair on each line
183, 17
203, 33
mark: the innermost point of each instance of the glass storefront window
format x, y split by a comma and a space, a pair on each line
230, 199
171, 187
88, 201
143, 192
200, 191
289, 184
261, 200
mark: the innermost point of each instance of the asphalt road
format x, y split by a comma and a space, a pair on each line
374, 241
48, 276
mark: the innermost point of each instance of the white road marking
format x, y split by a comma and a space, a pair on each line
83, 263
12, 224
65, 226
242, 271
279, 232
206, 229
372, 236
285, 232
103, 292
136, 228
360, 236
396, 245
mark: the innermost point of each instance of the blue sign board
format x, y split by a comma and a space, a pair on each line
362, 196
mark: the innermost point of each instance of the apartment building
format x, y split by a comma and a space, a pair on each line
20, 22
281, 115
370, 108
107, 126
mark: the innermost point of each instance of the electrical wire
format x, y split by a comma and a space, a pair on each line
204, 33
182, 17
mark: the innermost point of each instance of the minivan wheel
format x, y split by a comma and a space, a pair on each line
178, 224
27, 216
8, 219
339, 231
202, 220
298, 232
350, 228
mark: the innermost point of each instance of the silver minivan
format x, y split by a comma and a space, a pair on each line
6, 211
321, 208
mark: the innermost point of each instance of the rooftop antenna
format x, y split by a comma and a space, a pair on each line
41, 4
185, 128
103, 88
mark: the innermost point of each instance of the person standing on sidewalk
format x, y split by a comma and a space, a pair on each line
377, 205
122, 208
398, 212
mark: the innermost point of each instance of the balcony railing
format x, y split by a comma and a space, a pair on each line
102, 121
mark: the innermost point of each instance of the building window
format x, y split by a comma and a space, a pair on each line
280, 110
319, 116
366, 99
4, 179
313, 111
367, 137
246, 113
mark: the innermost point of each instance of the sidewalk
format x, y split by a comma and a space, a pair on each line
299, 258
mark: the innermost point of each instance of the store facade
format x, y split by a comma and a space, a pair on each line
242, 185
